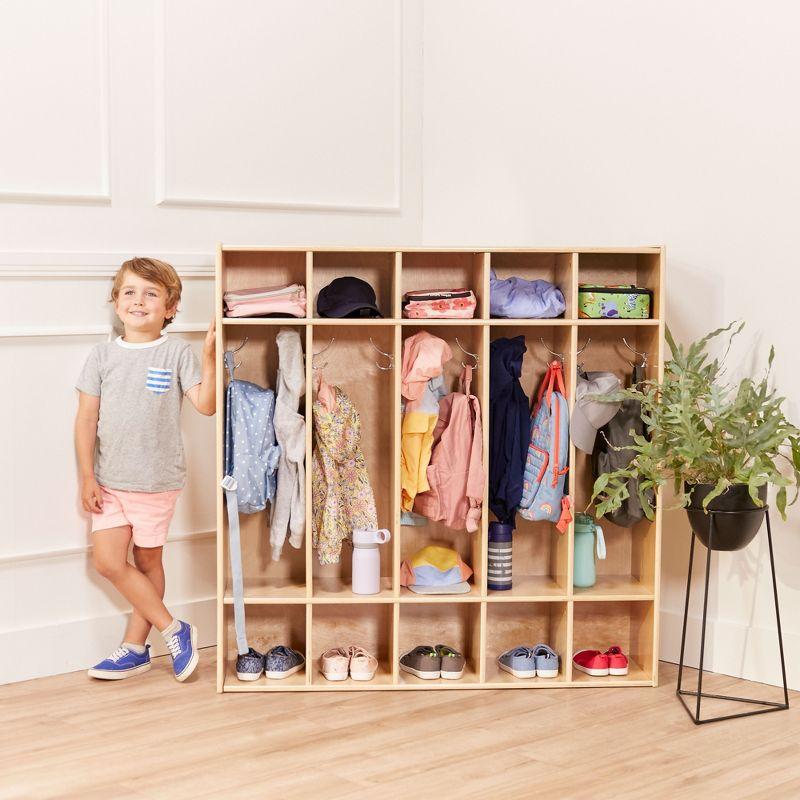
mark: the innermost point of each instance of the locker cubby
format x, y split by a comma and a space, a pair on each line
376, 268
623, 268
348, 360
627, 624
553, 267
456, 625
267, 626
445, 270
367, 625
467, 545
248, 269
263, 577
513, 624
629, 568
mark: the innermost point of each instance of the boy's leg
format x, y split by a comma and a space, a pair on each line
110, 556
148, 562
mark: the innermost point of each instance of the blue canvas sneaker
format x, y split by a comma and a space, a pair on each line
122, 663
183, 649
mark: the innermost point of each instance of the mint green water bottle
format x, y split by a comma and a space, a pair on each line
588, 539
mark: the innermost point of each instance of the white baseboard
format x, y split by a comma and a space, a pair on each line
732, 648
77, 645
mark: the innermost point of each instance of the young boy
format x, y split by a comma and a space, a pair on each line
130, 455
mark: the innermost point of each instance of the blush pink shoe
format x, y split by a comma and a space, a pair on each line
363, 665
334, 664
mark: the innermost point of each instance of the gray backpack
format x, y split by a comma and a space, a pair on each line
617, 432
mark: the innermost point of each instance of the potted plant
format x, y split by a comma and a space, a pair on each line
720, 444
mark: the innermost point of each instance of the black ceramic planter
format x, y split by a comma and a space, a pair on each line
731, 531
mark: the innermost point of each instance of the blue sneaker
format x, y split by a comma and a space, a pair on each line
122, 663
183, 649
519, 662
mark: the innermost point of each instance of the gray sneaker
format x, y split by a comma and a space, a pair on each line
453, 662
282, 661
422, 661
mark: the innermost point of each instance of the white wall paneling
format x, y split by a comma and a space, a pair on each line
54, 81
293, 106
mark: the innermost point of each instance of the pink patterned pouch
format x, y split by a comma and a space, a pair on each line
439, 304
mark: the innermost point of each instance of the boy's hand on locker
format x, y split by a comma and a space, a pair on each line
210, 343
91, 495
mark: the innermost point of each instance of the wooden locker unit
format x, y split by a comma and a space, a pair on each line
310, 607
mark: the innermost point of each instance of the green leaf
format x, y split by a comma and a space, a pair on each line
780, 502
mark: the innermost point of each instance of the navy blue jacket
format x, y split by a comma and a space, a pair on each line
509, 427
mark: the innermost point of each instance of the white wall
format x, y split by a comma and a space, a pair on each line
638, 122
164, 127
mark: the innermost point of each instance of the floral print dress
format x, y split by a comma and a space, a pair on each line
342, 497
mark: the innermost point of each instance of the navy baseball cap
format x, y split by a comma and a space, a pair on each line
347, 297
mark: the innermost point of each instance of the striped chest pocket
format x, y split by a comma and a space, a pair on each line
159, 380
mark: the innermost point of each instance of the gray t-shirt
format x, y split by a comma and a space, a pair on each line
141, 388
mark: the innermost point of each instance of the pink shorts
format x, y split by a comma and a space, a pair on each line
148, 514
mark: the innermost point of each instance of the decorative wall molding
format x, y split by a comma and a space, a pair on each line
17, 558
165, 198
103, 196
69, 264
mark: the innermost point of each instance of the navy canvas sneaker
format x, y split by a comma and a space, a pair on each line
281, 662
249, 665
122, 663
183, 649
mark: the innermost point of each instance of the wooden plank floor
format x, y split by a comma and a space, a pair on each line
150, 737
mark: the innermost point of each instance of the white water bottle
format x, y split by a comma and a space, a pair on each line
367, 560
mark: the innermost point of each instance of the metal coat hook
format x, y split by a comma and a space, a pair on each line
390, 366
643, 365
580, 363
559, 356
237, 349
319, 353
473, 356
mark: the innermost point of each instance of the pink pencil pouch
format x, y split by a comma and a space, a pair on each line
289, 301
439, 304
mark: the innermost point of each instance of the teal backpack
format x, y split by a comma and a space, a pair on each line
548, 453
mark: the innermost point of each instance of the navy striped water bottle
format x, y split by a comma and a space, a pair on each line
499, 569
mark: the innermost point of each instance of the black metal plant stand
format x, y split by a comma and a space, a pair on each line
699, 694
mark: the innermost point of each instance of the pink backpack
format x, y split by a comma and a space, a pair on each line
455, 474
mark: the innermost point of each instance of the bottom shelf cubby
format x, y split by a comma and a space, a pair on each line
628, 624
512, 624
366, 625
267, 627
456, 625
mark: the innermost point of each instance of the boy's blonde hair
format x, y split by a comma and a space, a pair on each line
151, 269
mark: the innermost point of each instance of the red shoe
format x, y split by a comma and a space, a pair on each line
617, 661
592, 662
